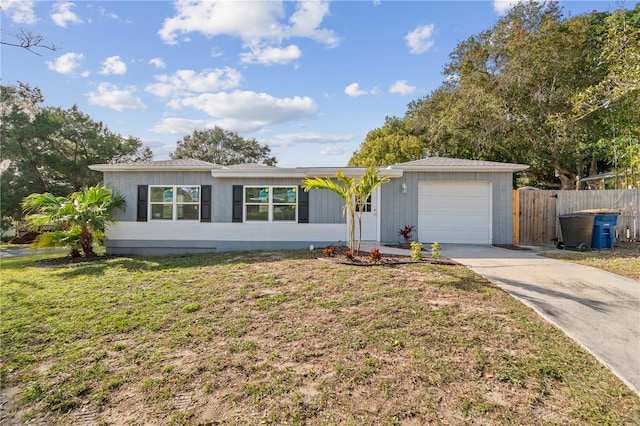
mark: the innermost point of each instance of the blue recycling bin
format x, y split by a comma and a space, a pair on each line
603, 235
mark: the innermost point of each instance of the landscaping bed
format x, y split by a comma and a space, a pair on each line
342, 255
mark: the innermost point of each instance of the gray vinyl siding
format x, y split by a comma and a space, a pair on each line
324, 206
127, 184
398, 209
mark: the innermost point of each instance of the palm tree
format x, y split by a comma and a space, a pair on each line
77, 220
368, 183
346, 189
354, 196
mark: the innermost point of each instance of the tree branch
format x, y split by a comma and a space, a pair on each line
27, 40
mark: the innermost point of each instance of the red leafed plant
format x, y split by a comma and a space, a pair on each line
329, 251
406, 233
375, 255
348, 255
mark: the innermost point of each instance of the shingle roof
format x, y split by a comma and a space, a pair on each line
430, 164
453, 164
244, 166
185, 164
178, 162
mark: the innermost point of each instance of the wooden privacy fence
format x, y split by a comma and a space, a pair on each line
536, 213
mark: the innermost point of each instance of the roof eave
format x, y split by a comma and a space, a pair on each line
300, 172
511, 168
147, 168
235, 173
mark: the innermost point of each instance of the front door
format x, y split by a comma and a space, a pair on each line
369, 218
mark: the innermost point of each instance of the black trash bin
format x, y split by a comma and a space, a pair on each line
577, 231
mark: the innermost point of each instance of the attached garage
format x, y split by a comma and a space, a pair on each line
454, 212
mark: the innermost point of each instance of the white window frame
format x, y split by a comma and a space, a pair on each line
270, 203
175, 203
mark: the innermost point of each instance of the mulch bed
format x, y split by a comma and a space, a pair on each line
510, 247
363, 259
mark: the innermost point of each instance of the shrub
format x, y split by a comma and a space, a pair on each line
375, 255
348, 255
329, 251
436, 251
406, 233
416, 250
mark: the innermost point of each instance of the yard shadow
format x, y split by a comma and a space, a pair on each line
99, 265
542, 297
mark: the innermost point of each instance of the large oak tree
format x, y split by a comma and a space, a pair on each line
222, 147
559, 94
49, 149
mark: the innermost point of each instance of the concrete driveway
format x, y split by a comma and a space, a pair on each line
597, 309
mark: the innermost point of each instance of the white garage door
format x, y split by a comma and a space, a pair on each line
454, 212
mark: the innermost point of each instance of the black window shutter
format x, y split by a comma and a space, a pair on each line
236, 213
143, 193
205, 203
303, 206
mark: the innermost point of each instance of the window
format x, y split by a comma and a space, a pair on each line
175, 202
270, 203
367, 204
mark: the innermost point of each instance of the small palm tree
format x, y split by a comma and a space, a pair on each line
345, 188
77, 220
354, 195
369, 182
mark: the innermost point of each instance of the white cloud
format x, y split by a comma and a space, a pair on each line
271, 55
106, 13
354, 91
110, 96
402, 87
249, 111
21, 11
306, 20
113, 65
262, 27
333, 150
216, 52
181, 126
61, 14
187, 82
503, 6
288, 139
158, 63
213, 18
419, 40
66, 63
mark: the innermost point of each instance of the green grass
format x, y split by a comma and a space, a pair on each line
623, 260
250, 338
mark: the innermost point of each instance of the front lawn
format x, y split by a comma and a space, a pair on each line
279, 337
623, 259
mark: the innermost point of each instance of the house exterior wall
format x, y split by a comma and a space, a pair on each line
399, 209
127, 184
326, 224
324, 206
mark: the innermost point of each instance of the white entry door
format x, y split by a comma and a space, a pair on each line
369, 218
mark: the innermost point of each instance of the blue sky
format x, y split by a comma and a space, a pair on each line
310, 79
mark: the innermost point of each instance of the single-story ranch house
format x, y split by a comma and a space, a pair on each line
190, 206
